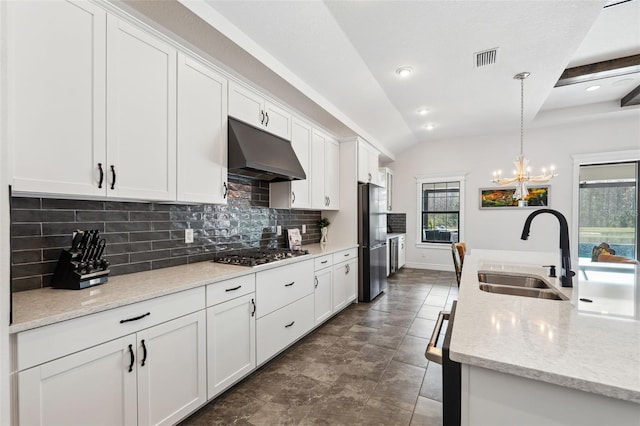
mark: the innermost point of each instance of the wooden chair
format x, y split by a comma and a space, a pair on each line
457, 262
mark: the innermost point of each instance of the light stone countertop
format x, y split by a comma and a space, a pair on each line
552, 341
37, 308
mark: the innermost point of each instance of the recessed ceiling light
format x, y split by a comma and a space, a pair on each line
592, 88
429, 126
423, 111
404, 71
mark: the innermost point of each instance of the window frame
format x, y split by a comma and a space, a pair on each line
432, 179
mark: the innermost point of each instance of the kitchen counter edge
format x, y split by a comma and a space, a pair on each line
45, 306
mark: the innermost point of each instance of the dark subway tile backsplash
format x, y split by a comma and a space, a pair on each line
145, 236
397, 223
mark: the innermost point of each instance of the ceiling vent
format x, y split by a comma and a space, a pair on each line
486, 57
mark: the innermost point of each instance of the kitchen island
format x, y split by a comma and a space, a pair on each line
537, 361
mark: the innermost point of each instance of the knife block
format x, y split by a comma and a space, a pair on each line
68, 275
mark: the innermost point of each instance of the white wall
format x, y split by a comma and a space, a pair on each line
479, 156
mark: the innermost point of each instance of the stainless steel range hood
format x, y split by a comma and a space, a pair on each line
260, 155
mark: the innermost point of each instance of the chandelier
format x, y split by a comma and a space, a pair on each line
522, 173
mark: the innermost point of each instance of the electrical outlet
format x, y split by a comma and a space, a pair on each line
278, 230
188, 236
304, 229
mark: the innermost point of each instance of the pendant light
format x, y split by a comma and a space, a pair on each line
522, 173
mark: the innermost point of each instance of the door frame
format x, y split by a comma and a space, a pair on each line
592, 159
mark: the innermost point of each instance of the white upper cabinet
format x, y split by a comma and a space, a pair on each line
252, 108
295, 194
202, 133
141, 114
56, 96
325, 172
368, 164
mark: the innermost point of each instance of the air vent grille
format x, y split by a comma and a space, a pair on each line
486, 57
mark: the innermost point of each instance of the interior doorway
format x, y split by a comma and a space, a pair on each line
608, 208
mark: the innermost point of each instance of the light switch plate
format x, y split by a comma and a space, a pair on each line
278, 230
304, 229
188, 236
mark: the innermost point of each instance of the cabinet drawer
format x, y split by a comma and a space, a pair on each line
323, 262
230, 289
278, 287
344, 255
279, 329
53, 341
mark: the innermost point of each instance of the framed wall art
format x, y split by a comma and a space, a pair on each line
496, 198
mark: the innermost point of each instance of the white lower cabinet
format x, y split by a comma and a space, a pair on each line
345, 278
279, 329
323, 295
155, 376
231, 342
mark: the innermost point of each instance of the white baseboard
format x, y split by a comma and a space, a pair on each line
431, 266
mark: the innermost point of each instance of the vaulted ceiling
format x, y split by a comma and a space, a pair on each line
336, 60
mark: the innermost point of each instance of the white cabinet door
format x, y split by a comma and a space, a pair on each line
295, 194
322, 295
141, 114
318, 196
252, 108
351, 281
171, 362
332, 174
202, 133
56, 96
279, 329
231, 342
277, 120
363, 162
372, 163
402, 252
301, 142
345, 283
96, 386
246, 105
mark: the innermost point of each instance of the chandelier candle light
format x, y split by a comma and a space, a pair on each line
522, 173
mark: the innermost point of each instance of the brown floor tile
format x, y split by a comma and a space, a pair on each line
432, 383
427, 413
279, 414
399, 385
301, 390
411, 351
388, 336
377, 412
422, 327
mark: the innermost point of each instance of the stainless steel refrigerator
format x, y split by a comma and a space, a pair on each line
372, 240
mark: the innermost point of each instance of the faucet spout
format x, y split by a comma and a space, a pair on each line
566, 277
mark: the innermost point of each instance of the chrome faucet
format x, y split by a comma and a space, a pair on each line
566, 277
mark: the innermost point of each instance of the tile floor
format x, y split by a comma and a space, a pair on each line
364, 366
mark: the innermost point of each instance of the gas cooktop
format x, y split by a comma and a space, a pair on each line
255, 257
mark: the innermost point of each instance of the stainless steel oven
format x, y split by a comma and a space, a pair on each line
451, 384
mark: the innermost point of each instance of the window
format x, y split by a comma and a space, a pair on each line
608, 209
440, 202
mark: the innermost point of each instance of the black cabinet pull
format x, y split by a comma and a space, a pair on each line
233, 289
316, 282
113, 173
101, 175
226, 190
144, 353
324, 261
253, 312
261, 117
289, 325
347, 254
328, 201
293, 197
132, 358
369, 176
348, 268
266, 114
135, 318
290, 284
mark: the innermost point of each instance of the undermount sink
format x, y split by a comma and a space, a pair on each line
512, 280
518, 285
